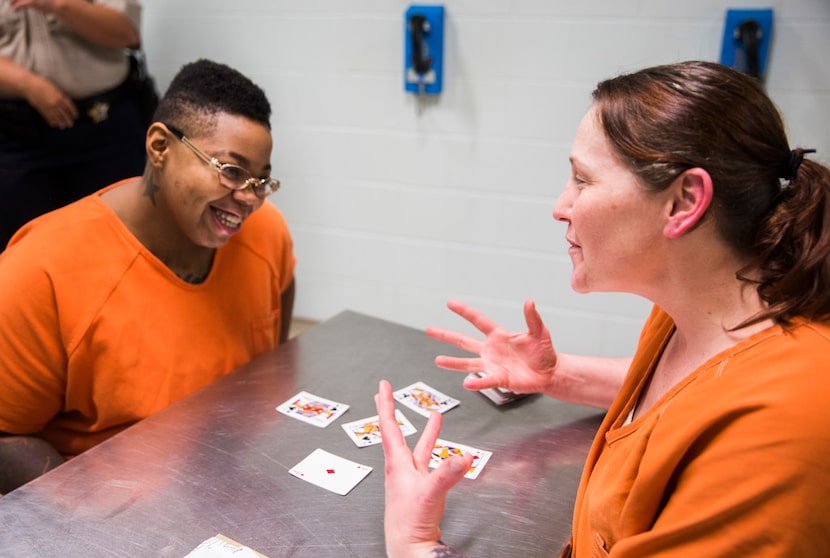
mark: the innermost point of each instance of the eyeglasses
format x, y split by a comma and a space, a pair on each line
232, 177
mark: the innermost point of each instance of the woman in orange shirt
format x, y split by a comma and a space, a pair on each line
118, 305
684, 190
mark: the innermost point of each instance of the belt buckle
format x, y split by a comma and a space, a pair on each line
99, 112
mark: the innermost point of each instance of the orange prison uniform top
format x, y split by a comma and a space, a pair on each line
733, 461
96, 333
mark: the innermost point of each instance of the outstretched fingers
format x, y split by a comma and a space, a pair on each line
426, 443
481, 322
448, 473
455, 339
459, 364
414, 496
391, 435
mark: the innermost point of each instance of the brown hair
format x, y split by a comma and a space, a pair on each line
664, 120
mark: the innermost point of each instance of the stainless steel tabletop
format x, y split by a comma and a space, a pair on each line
218, 461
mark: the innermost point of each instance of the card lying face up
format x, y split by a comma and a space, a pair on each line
330, 471
366, 432
313, 409
423, 399
220, 546
444, 449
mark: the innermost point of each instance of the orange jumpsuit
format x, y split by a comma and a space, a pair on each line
96, 333
733, 461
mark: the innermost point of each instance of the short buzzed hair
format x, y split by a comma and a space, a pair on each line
203, 89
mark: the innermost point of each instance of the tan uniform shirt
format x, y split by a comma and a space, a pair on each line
44, 44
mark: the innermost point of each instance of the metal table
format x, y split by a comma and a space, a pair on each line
218, 460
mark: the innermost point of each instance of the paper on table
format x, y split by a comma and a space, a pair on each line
221, 546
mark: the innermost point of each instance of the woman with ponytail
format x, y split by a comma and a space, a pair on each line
684, 189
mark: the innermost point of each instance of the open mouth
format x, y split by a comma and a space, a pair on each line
226, 219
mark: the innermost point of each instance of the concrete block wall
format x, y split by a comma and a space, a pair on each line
394, 212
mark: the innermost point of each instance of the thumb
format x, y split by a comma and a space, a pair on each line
451, 471
535, 326
460, 464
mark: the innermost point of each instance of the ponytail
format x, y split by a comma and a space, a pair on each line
792, 270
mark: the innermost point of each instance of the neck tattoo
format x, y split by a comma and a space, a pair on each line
150, 191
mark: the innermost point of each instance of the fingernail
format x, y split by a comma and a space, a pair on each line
456, 465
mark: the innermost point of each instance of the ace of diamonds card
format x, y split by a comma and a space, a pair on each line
330, 471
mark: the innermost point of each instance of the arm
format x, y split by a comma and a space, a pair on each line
96, 23
53, 104
414, 496
32, 369
287, 310
24, 458
528, 363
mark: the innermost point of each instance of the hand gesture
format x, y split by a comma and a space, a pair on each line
520, 362
414, 496
53, 104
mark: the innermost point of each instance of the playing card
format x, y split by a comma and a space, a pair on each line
330, 471
221, 546
366, 432
313, 409
423, 399
444, 449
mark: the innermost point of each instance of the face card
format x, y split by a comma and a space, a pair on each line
423, 399
366, 432
444, 449
313, 409
330, 471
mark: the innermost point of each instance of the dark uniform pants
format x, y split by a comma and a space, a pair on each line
43, 168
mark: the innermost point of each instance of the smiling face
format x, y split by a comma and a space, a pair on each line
614, 223
201, 208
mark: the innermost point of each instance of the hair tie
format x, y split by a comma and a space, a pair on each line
796, 156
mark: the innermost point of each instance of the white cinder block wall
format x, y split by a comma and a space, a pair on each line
394, 212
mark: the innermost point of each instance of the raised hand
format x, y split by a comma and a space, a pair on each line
414, 496
520, 362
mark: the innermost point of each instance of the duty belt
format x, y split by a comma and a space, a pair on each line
18, 118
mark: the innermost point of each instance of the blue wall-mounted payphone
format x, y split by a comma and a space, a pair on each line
746, 38
424, 49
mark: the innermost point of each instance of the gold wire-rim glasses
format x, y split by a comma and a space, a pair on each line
235, 177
